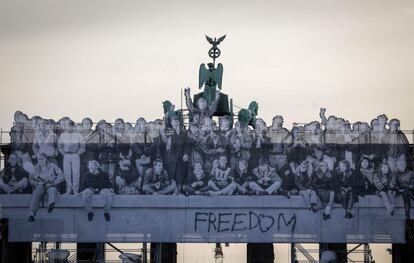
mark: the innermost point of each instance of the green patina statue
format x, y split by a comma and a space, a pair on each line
210, 78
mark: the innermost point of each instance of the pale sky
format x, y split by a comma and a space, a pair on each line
109, 59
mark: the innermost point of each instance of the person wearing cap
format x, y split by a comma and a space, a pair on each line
71, 145
44, 178
221, 177
95, 181
266, 180
157, 182
127, 179
13, 178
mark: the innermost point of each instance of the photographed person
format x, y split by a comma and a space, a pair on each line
157, 181
201, 110
398, 144
265, 179
71, 145
385, 184
19, 141
213, 147
240, 144
127, 180
141, 146
242, 178
305, 182
280, 137
345, 187
107, 156
197, 183
45, 141
365, 175
44, 179
324, 188
283, 169
405, 184
176, 157
95, 181
91, 140
13, 178
195, 138
221, 178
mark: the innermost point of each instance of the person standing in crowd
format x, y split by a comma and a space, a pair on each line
265, 181
157, 181
280, 138
195, 140
176, 156
127, 179
106, 149
18, 133
221, 178
71, 145
45, 141
260, 142
213, 146
405, 183
324, 187
378, 139
365, 175
298, 150
122, 144
284, 170
240, 144
197, 183
398, 144
345, 185
385, 184
140, 147
13, 178
305, 182
95, 181
44, 179
90, 139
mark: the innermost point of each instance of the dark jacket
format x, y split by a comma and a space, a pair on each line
96, 182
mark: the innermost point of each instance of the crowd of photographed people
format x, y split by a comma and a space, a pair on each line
326, 162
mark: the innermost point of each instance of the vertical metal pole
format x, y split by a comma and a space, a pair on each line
292, 253
231, 109
366, 253
144, 252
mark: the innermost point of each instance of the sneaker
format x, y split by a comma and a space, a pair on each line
31, 218
107, 216
90, 216
51, 207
